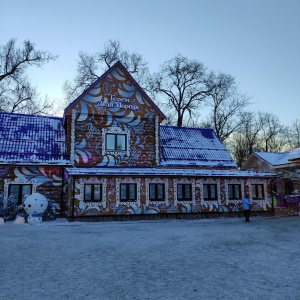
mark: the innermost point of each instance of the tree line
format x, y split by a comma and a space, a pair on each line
182, 88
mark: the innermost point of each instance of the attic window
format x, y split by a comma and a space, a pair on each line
116, 142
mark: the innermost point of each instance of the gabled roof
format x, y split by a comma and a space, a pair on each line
187, 147
124, 71
31, 139
279, 158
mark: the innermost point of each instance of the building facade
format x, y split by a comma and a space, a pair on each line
110, 155
286, 186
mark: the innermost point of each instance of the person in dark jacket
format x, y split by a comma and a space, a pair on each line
246, 207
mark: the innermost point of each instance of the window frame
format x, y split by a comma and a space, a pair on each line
156, 198
209, 191
20, 191
128, 192
92, 192
235, 197
255, 194
116, 135
184, 198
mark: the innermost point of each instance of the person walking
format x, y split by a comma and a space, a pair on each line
246, 207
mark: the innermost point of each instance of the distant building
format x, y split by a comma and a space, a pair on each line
286, 165
110, 156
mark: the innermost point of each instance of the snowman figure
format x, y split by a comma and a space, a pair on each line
35, 205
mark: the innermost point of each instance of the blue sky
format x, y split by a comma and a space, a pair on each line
256, 41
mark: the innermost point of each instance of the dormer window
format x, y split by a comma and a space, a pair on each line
116, 142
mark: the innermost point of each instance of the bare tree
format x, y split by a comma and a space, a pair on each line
238, 148
271, 135
293, 134
260, 132
245, 141
91, 66
16, 91
226, 104
184, 83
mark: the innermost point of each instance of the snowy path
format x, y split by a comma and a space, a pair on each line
173, 259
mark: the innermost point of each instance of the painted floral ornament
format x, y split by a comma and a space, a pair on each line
35, 205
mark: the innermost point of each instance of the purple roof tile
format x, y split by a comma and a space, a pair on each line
29, 138
182, 146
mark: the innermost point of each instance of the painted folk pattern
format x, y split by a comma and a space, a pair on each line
114, 104
48, 181
113, 205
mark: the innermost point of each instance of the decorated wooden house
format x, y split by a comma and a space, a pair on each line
32, 157
110, 156
286, 165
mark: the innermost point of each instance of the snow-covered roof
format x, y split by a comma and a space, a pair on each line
182, 146
119, 171
92, 85
279, 158
31, 139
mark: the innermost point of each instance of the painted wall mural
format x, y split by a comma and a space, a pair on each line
47, 181
112, 206
115, 105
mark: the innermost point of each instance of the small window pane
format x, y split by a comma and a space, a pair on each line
160, 191
230, 191
88, 192
237, 191
97, 192
110, 141
131, 191
187, 191
213, 191
152, 191
254, 191
121, 142
123, 192
14, 192
26, 191
205, 191
179, 191
260, 191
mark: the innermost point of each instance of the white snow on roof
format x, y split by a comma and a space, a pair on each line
279, 158
164, 172
185, 146
30, 139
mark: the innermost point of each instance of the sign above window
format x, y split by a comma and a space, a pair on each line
118, 102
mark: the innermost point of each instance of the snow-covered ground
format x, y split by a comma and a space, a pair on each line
163, 259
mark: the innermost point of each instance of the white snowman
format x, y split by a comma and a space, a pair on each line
35, 205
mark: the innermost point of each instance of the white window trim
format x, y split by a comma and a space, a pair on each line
115, 130
155, 181
234, 181
211, 203
18, 180
136, 181
92, 180
184, 181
